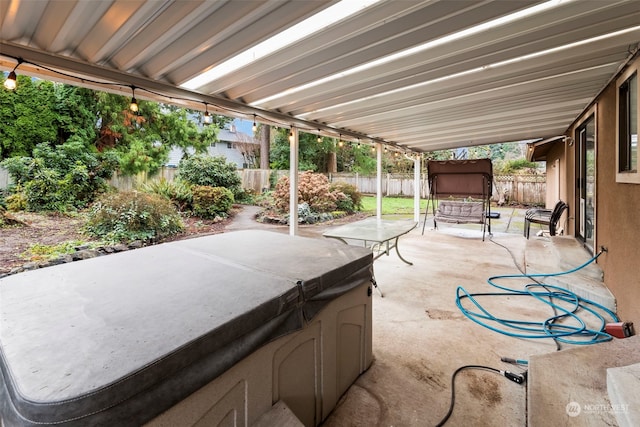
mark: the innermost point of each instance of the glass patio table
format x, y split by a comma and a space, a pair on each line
381, 236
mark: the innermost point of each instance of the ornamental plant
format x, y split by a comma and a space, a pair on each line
210, 202
349, 198
132, 215
313, 189
178, 191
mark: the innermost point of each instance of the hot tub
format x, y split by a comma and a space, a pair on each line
206, 331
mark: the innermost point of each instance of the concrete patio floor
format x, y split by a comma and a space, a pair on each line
420, 337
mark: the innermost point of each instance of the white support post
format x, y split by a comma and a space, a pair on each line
293, 182
416, 188
379, 181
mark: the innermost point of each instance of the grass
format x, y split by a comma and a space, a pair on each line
392, 205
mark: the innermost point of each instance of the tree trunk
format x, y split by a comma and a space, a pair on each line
332, 162
265, 146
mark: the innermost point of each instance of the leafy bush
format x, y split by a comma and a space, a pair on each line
178, 191
518, 166
352, 200
210, 202
16, 201
246, 196
210, 171
313, 189
61, 177
131, 215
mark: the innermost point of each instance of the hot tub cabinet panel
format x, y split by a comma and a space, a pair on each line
208, 331
308, 370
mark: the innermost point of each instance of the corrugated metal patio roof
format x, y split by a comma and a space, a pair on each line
397, 71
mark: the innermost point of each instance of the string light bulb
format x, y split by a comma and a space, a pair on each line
340, 143
11, 82
254, 128
206, 119
319, 136
133, 106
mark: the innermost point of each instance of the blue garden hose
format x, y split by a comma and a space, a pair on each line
576, 332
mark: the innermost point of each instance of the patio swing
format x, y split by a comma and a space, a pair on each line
462, 189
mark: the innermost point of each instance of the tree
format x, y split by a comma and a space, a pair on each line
76, 113
313, 155
265, 146
28, 117
143, 139
249, 149
356, 158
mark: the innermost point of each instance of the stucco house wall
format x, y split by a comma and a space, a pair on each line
617, 215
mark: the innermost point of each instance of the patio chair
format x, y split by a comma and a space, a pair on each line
548, 217
462, 189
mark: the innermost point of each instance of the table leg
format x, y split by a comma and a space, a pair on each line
398, 252
375, 285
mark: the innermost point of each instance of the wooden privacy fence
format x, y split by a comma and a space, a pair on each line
5, 179
125, 183
252, 179
523, 189
393, 184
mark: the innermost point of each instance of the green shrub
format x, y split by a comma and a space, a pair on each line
353, 200
131, 215
16, 201
210, 202
178, 191
61, 177
246, 196
210, 171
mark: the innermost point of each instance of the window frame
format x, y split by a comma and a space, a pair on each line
626, 176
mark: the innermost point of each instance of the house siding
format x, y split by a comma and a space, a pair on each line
617, 224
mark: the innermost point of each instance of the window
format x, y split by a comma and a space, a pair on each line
628, 137
229, 145
627, 98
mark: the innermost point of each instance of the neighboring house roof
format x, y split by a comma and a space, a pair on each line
231, 134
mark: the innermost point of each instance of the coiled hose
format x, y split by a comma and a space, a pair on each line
568, 308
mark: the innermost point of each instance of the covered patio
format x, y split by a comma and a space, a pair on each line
421, 337
408, 76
